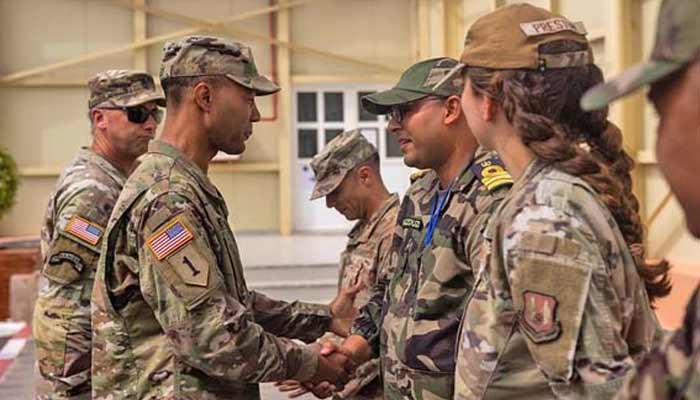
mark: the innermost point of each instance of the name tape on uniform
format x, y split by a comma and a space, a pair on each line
169, 239
84, 230
550, 26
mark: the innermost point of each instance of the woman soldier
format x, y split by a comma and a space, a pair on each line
561, 306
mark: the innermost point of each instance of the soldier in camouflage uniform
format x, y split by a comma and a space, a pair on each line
558, 309
672, 370
412, 320
172, 316
74, 223
348, 175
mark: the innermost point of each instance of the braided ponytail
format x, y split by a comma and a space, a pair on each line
544, 108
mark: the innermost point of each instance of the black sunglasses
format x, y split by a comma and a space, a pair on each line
398, 112
139, 114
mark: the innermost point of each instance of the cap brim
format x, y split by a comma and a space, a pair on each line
321, 191
260, 85
601, 95
382, 102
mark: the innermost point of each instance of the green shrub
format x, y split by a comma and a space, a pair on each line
8, 182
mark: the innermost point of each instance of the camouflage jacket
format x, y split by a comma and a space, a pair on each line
558, 308
172, 316
75, 219
672, 370
424, 300
367, 257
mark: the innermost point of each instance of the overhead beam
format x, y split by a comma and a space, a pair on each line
204, 25
219, 26
141, 43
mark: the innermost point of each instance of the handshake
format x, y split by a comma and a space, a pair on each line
335, 367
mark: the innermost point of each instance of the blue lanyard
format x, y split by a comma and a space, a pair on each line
435, 213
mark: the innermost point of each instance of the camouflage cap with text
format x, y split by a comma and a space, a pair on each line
207, 55
511, 38
343, 153
677, 43
416, 82
122, 88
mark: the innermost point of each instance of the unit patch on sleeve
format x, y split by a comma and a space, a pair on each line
539, 317
169, 239
84, 230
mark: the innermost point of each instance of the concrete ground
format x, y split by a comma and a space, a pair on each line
300, 267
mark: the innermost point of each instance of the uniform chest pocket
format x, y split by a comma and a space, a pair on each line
68, 260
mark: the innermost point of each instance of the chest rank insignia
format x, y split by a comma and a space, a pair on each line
84, 230
412, 223
491, 173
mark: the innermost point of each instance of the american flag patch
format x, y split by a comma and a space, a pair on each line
169, 239
84, 230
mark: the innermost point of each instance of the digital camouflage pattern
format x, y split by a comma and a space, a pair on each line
172, 315
207, 55
122, 88
367, 258
672, 370
345, 152
558, 309
677, 43
87, 189
421, 306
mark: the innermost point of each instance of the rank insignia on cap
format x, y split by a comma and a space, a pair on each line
491, 173
539, 317
169, 239
84, 230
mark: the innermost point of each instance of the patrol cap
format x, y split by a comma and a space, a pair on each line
123, 88
677, 43
194, 56
416, 82
511, 38
340, 156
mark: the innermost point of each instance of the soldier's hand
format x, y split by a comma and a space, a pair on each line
342, 309
334, 368
296, 389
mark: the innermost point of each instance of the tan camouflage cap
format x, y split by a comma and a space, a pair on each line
511, 36
341, 155
677, 43
207, 55
122, 88
416, 82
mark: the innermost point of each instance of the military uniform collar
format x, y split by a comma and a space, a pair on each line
102, 163
161, 147
533, 168
463, 182
362, 230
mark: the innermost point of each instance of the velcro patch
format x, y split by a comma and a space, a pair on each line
540, 317
84, 230
550, 26
169, 239
66, 256
491, 173
413, 223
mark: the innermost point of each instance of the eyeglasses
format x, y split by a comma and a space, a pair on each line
398, 113
139, 114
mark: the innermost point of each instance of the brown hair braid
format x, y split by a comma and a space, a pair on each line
544, 108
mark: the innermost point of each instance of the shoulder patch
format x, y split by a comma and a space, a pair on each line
84, 230
491, 173
169, 239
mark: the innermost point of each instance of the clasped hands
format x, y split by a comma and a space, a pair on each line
335, 366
